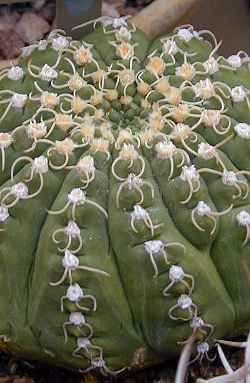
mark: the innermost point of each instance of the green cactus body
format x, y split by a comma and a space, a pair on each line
124, 198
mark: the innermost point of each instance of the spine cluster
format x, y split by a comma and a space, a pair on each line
173, 113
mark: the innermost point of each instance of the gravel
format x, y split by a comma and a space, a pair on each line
22, 24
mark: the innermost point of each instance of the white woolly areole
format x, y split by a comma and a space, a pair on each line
36, 130
238, 94
206, 151
128, 153
72, 229
170, 47
156, 121
86, 165
211, 117
127, 76
40, 165
235, 61
203, 347
70, 261
134, 181
124, 136
165, 150
77, 83
189, 173
153, 247
139, 212
65, 146
59, 43
99, 145
97, 363
185, 35
77, 196
107, 21
211, 65
4, 213
20, 190
74, 293
176, 273
119, 22
196, 323
42, 45
229, 178
243, 130
47, 73
203, 209
181, 131
83, 343
146, 136
184, 302
77, 318
18, 100
197, 36
243, 218
5, 140
204, 89
123, 34
15, 73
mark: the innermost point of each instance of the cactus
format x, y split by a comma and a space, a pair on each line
131, 160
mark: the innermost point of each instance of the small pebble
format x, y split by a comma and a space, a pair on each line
32, 27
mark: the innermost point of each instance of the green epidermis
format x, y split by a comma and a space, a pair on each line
125, 207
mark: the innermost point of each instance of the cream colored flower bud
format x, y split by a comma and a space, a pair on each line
156, 65
64, 121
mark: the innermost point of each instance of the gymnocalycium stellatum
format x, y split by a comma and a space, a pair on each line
124, 197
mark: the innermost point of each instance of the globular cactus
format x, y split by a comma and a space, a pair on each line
124, 198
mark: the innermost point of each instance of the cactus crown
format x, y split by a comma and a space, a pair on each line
124, 197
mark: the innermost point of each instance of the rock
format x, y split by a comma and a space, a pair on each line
48, 12
128, 11
38, 4
11, 43
8, 20
53, 25
109, 10
32, 27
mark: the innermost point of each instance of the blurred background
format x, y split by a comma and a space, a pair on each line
228, 19
22, 23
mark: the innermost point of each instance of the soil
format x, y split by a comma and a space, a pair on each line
17, 371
